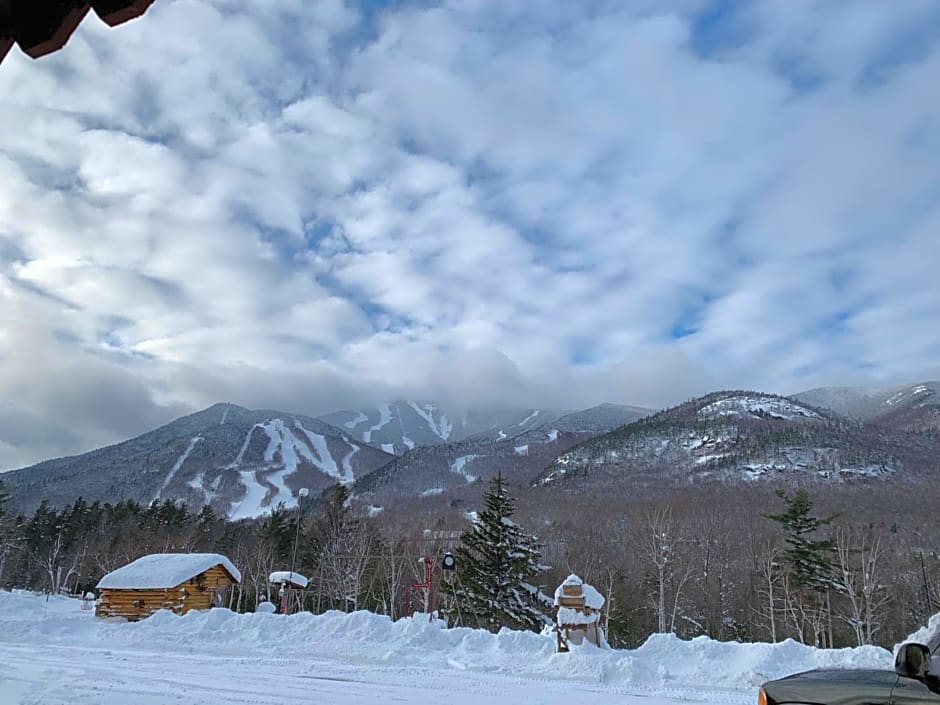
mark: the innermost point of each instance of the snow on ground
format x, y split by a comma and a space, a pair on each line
52, 652
440, 427
756, 406
916, 391
350, 476
459, 466
266, 487
530, 417
283, 443
178, 464
385, 416
249, 505
241, 451
352, 423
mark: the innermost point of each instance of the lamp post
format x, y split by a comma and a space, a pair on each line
303, 492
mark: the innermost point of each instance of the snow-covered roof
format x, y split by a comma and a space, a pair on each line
592, 598
165, 570
285, 576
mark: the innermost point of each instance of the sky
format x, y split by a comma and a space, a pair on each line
312, 206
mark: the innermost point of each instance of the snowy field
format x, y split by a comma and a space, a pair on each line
52, 652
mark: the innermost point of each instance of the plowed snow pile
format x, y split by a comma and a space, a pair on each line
693, 670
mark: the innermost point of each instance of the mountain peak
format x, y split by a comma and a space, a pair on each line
242, 462
401, 426
732, 436
910, 401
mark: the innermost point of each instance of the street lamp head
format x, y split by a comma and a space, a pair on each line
303, 492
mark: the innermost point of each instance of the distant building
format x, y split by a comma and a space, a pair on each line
179, 582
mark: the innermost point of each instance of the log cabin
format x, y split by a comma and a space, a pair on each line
179, 582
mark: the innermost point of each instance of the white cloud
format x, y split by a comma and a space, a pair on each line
311, 205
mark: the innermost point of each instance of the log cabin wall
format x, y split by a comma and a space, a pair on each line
197, 593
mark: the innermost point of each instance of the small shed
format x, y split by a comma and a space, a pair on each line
179, 582
293, 580
290, 587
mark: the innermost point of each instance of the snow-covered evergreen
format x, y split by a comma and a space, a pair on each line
809, 557
495, 584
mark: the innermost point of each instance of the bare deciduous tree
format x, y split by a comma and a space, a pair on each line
858, 556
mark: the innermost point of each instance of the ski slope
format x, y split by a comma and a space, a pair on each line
53, 652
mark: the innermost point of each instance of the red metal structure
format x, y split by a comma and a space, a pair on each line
41, 27
427, 585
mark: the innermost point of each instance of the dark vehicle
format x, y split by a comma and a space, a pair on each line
909, 684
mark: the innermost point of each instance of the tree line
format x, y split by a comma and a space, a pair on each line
829, 567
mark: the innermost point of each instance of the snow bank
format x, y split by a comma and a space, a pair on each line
663, 662
165, 570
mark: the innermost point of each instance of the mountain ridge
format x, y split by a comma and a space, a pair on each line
240, 461
444, 467
740, 436
244, 462
400, 426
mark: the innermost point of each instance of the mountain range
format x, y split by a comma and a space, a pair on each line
403, 425
743, 436
241, 462
438, 468
245, 462
913, 407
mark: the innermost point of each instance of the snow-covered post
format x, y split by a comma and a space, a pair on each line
579, 610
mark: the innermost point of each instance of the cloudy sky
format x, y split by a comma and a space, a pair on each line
311, 205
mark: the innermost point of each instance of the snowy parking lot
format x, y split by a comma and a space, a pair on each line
53, 652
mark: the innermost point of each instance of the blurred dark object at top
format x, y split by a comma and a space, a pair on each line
41, 27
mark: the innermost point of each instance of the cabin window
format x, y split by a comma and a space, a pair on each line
138, 603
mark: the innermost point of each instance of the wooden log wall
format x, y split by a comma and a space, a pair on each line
195, 594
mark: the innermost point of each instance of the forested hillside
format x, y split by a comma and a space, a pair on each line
722, 567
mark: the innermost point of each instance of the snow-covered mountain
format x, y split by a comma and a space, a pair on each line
447, 467
741, 436
870, 403
404, 425
243, 462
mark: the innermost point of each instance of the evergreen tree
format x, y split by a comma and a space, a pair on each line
808, 556
335, 514
497, 563
278, 530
